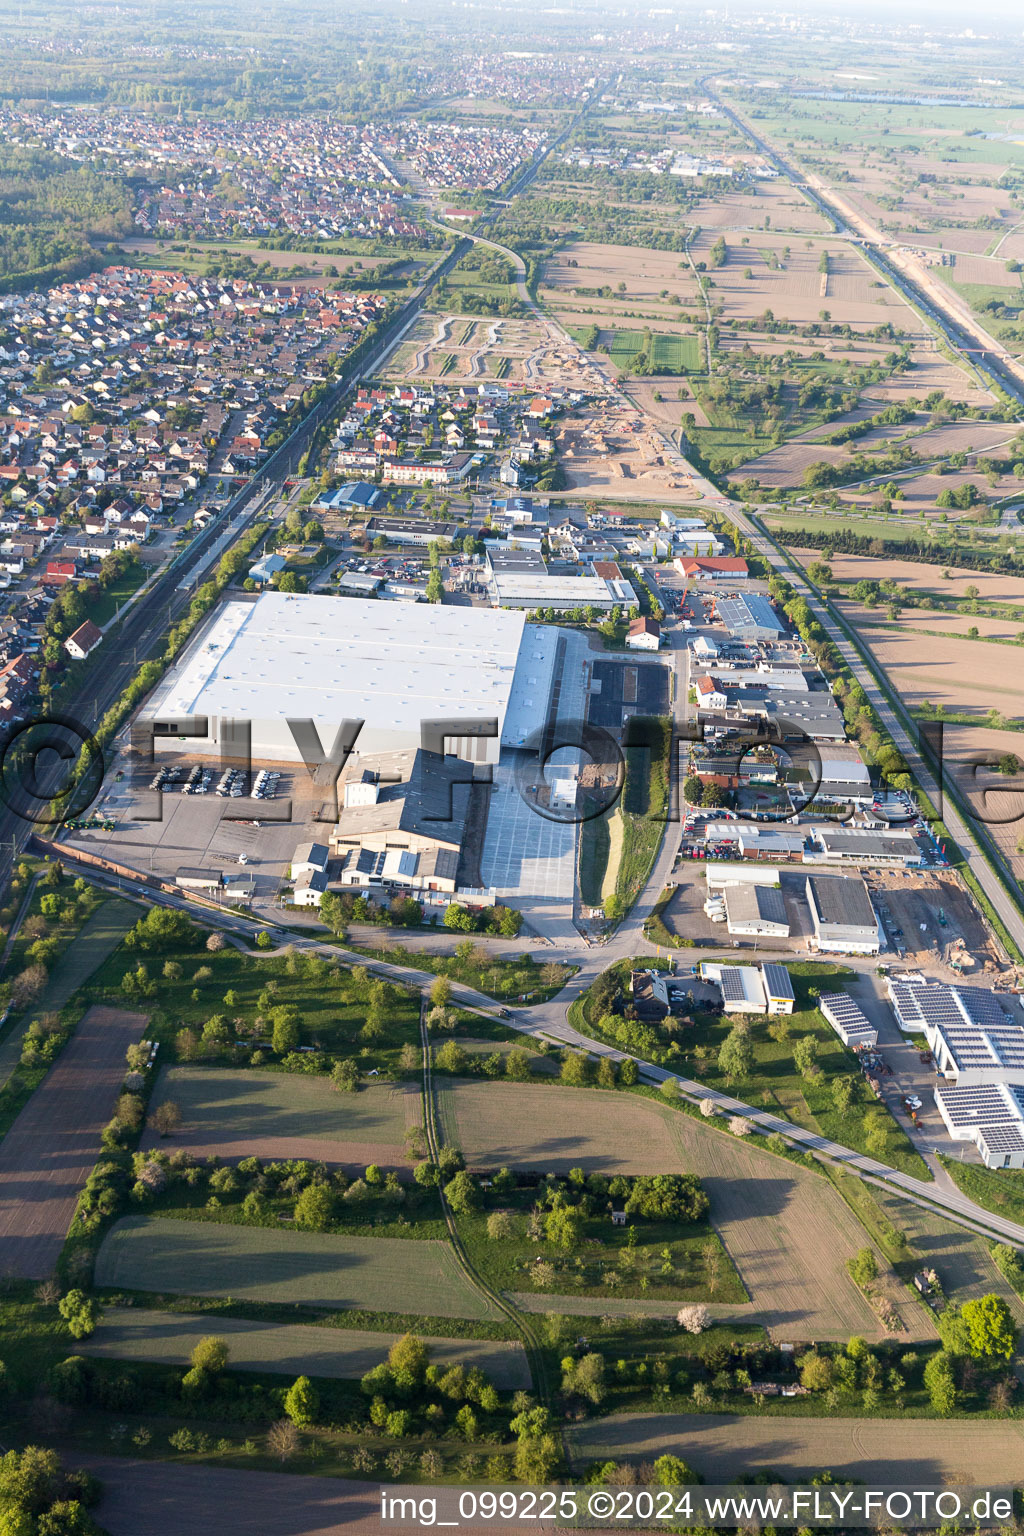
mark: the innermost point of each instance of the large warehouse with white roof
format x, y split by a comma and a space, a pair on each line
329, 659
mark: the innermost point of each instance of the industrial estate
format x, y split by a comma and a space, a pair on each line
511, 779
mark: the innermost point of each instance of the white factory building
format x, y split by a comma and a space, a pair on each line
991, 1116
300, 658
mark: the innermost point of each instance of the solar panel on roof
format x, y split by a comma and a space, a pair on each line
777, 981
732, 986
1002, 1138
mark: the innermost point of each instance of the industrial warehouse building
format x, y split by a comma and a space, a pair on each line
891, 849
519, 578
324, 659
843, 916
756, 911
750, 617
402, 821
849, 1021
992, 1117
974, 1039
749, 989
977, 1038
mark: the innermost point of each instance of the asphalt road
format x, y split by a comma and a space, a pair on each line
549, 1021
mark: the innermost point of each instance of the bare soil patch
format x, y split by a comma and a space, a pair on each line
646, 273
48, 1153
944, 670
747, 210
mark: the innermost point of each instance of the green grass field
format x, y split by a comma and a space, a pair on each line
223, 1108
673, 354
291, 1348
331, 1001
306, 1268
595, 847
112, 597
96, 941
1000, 1191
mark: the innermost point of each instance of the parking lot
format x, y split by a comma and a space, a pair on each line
623, 688
160, 831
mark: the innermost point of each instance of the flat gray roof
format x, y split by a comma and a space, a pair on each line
842, 902
328, 659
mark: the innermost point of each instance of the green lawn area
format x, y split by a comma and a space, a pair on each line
979, 295
316, 1269
655, 1260
595, 846
98, 938
669, 354
111, 598
729, 436
293, 1349
499, 976
644, 808
893, 528
238, 1112
998, 1190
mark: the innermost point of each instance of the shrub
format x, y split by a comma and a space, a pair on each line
302, 1401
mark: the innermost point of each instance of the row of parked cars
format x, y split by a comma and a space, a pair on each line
266, 785
231, 784
194, 781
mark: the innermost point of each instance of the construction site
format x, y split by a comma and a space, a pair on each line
610, 447
513, 350
931, 920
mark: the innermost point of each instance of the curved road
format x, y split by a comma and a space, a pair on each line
548, 1021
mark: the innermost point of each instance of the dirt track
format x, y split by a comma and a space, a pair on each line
48, 1153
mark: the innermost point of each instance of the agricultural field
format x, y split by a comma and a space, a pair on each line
246, 1502
784, 468
139, 1333
929, 175
609, 286
722, 1447
308, 1268
555, 1128
764, 205
920, 578
963, 1262
770, 1214
942, 670
48, 1153
232, 1113
789, 1233
996, 797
